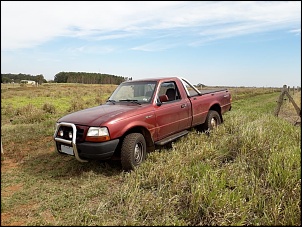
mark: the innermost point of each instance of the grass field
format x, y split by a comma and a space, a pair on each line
247, 172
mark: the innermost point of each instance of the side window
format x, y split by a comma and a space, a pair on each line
168, 92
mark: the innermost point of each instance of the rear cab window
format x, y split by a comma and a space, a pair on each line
189, 88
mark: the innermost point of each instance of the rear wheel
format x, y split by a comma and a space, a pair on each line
212, 121
133, 151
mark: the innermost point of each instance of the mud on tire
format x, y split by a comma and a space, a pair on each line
212, 121
133, 151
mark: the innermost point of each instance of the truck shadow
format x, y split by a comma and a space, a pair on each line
57, 166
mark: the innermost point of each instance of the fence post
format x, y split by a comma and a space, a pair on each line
298, 110
280, 100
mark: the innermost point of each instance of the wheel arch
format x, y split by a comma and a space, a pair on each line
216, 107
145, 132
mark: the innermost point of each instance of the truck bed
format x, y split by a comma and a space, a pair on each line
208, 91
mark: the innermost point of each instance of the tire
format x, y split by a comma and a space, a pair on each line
212, 121
133, 151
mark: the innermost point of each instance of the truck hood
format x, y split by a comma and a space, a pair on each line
95, 116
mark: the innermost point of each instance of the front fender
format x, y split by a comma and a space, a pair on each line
118, 129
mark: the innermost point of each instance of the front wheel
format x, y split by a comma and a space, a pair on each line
212, 121
133, 151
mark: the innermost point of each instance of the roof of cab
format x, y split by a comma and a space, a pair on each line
154, 79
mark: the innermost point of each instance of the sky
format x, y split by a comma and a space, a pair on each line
215, 43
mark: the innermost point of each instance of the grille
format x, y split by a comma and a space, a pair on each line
66, 130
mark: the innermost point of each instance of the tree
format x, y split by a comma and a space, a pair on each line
40, 79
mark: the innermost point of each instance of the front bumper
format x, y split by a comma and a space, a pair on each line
84, 150
102, 150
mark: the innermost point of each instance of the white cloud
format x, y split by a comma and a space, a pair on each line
297, 31
155, 46
26, 24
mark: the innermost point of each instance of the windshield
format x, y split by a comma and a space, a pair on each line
135, 92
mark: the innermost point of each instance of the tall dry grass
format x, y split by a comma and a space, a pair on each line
247, 172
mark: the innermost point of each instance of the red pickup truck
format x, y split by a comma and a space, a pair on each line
137, 117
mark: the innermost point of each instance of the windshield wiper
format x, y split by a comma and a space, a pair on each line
130, 100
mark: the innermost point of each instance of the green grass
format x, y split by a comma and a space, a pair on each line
247, 172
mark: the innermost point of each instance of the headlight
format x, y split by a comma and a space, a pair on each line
61, 133
97, 134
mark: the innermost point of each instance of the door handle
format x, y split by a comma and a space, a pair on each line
183, 105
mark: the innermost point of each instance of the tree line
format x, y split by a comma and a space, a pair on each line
67, 77
16, 78
88, 78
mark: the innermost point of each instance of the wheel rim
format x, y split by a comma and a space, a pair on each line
213, 122
138, 153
